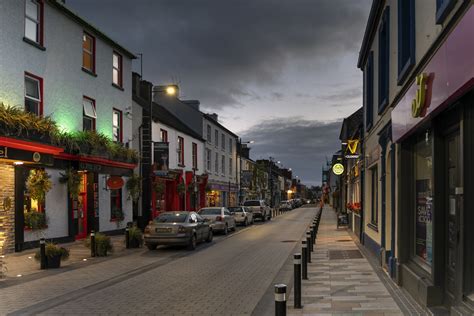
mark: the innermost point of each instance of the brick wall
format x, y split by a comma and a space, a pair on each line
7, 214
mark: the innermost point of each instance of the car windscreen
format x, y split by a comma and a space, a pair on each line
235, 209
252, 203
210, 211
171, 218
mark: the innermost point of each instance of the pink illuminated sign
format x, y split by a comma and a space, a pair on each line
451, 74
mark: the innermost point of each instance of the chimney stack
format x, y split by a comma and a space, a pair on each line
193, 103
214, 116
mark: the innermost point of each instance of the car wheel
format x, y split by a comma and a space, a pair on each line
264, 218
151, 246
192, 242
226, 230
210, 236
234, 227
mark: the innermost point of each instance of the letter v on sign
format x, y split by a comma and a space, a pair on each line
352, 145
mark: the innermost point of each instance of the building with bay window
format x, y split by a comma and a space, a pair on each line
430, 94
70, 85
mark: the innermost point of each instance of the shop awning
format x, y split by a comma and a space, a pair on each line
30, 146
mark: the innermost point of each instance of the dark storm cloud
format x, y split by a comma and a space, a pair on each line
298, 143
218, 48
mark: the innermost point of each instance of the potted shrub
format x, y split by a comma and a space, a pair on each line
180, 188
134, 187
73, 180
35, 220
103, 244
38, 184
54, 255
159, 188
135, 237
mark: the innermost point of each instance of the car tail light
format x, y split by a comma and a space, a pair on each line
219, 218
181, 229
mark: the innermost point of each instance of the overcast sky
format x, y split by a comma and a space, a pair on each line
280, 72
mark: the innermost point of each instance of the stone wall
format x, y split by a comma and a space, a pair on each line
7, 208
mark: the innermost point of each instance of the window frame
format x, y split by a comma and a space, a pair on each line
39, 23
216, 163
115, 199
369, 91
40, 90
374, 196
120, 127
216, 136
406, 45
208, 159
84, 115
230, 166
194, 156
85, 33
230, 145
223, 141
223, 165
209, 133
180, 151
119, 70
443, 8
163, 135
384, 60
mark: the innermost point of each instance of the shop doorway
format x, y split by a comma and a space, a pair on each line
453, 191
82, 209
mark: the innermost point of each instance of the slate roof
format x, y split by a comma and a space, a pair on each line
351, 124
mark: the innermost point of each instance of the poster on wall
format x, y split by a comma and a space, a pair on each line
247, 176
424, 220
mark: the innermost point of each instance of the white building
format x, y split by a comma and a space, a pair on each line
55, 64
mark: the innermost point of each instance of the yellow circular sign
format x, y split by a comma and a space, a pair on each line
338, 169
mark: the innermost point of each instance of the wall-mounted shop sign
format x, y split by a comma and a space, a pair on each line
24, 155
451, 73
419, 102
161, 158
90, 167
115, 182
338, 169
352, 149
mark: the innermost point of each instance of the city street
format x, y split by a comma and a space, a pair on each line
232, 276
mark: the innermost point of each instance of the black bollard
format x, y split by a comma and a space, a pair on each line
42, 254
297, 277
304, 253
127, 238
93, 244
280, 300
308, 244
313, 235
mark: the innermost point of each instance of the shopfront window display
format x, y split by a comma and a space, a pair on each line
424, 198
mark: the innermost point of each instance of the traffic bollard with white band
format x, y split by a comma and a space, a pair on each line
280, 300
297, 277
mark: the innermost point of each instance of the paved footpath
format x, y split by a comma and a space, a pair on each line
338, 286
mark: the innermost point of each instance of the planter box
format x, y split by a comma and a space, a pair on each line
53, 262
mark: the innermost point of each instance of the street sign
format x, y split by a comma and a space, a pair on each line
338, 169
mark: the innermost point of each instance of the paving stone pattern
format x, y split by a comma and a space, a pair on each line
341, 286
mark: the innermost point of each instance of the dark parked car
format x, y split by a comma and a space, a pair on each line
177, 228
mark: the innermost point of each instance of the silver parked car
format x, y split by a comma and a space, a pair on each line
177, 228
259, 209
219, 219
242, 215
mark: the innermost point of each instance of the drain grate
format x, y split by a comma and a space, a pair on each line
343, 240
344, 254
288, 241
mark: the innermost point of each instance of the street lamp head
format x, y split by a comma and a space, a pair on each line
289, 169
278, 161
251, 142
170, 90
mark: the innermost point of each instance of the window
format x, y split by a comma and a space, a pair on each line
195, 156
230, 166
216, 163
117, 69
164, 135
443, 7
223, 165
208, 159
209, 133
34, 21
33, 94
88, 52
374, 201
180, 151
423, 163
89, 114
116, 211
117, 126
384, 59
230, 145
217, 137
31, 204
369, 91
406, 38
223, 142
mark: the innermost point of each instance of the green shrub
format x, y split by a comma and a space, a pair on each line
103, 244
53, 250
35, 220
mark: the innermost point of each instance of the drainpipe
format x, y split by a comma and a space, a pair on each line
392, 179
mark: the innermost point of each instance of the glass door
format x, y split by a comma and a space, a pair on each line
81, 228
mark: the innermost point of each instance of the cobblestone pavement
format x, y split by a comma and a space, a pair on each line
225, 278
341, 286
